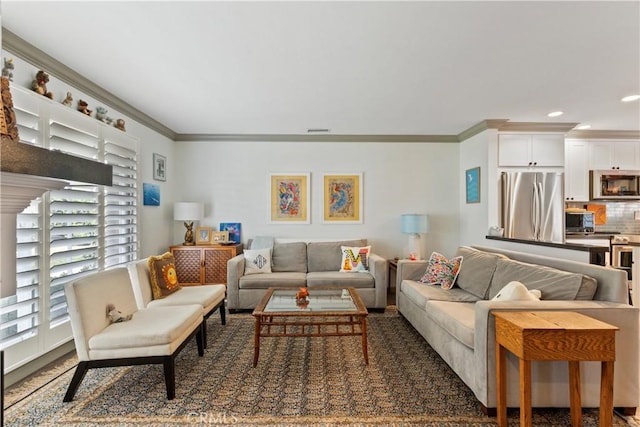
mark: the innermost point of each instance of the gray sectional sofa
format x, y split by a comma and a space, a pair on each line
459, 325
312, 265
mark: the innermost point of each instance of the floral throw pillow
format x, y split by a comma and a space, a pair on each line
355, 259
442, 271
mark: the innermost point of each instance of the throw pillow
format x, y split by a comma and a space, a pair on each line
442, 271
163, 275
257, 261
516, 291
355, 259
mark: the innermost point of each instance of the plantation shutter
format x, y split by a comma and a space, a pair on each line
74, 211
120, 200
19, 313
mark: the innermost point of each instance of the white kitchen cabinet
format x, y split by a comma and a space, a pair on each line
614, 155
576, 171
529, 150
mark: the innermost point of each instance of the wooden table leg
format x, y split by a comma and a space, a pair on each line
365, 350
501, 384
256, 341
574, 393
525, 393
606, 394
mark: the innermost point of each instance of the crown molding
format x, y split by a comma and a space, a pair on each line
481, 127
14, 44
194, 137
604, 134
536, 127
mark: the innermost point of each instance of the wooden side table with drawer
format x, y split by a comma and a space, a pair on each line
203, 264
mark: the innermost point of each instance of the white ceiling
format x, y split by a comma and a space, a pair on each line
431, 68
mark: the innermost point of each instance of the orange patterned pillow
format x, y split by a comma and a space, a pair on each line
164, 278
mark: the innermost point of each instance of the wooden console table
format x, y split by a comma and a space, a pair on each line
554, 335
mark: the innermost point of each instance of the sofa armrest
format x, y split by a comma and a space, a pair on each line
379, 269
235, 270
410, 270
624, 316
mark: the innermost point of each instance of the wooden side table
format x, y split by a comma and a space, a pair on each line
554, 335
393, 268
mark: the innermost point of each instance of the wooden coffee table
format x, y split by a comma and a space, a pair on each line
329, 312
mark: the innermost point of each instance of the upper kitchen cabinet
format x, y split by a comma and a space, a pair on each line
530, 150
614, 155
576, 171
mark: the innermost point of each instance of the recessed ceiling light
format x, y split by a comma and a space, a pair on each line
555, 114
630, 98
583, 127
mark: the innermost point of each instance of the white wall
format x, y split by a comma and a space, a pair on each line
232, 179
476, 218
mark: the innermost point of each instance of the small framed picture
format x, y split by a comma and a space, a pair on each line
472, 180
203, 235
220, 237
159, 167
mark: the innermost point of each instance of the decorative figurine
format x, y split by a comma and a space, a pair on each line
109, 120
39, 84
120, 125
7, 69
101, 114
82, 107
68, 101
116, 316
301, 295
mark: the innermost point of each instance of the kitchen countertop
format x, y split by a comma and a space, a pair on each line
573, 246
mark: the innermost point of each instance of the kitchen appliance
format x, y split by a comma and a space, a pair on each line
579, 222
533, 205
614, 185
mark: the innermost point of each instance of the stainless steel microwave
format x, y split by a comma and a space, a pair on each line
614, 185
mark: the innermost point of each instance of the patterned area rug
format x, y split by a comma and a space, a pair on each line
298, 382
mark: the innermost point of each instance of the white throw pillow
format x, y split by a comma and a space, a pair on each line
257, 261
516, 291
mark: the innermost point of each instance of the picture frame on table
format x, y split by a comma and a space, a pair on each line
289, 198
203, 235
472, 185
342, 198
219, 237
234, 229
159, 167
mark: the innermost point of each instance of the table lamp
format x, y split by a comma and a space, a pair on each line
188, 212
414, 225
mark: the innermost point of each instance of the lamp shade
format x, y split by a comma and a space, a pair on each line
414, 223
188, 211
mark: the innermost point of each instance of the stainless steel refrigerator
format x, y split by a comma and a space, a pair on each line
533, 205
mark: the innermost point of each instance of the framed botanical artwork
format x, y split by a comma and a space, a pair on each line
219, 236
289, 201
150, 194
159, 167
342, 198
472, 182
203, 235
234, 229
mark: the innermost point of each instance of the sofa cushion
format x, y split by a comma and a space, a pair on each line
458, 319
442, 271
163, 275
477, 271
205, 295
279, 280
337, 279
553, 283
355, 259
326, 256
257, 261
420, 293
167, 323
289, 257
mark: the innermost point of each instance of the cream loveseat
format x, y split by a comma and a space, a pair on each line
458, 323
312, 265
